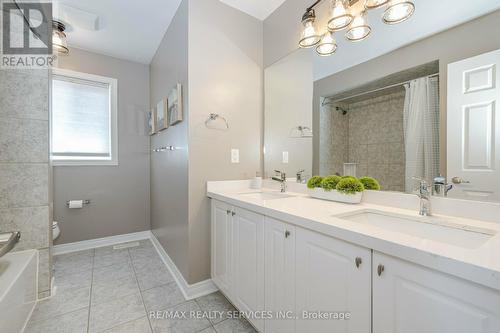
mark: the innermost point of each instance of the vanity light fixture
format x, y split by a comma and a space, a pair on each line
309, 37
359, 28
342, 16
327, 46
398, 11
59, 43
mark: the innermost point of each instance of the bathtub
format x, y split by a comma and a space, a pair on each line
18, 289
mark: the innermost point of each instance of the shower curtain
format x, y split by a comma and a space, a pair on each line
421, 130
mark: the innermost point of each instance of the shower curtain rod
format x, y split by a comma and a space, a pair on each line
328, 100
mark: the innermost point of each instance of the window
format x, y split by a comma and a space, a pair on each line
84, 119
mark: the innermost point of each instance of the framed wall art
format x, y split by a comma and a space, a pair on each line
152, 121
175, 105
161, 113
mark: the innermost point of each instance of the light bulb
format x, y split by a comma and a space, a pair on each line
359, 28
371, 4
340, 18
59, 42
327, 46
398, 11
309, 36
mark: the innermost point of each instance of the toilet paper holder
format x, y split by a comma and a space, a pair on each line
85, 202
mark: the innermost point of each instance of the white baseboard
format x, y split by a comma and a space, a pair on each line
100, 242
190, 291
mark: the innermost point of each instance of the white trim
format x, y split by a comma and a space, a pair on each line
189, 291
100, 242
113, 109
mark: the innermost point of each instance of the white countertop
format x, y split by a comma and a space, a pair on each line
481, 265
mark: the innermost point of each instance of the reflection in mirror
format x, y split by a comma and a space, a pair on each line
288, 117
387, 129
424, 110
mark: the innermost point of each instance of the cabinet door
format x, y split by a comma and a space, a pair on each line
248, 245
332, 276
221, 246
408, 298
280, 276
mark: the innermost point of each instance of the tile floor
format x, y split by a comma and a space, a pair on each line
108, 290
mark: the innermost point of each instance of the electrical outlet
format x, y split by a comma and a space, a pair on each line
285, 157
235, 156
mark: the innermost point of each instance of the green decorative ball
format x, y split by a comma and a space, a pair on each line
314, 182
370, 183
350, 185
330, 182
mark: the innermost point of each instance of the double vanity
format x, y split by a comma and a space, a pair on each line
292, 263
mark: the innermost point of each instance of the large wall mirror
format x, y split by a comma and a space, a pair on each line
426, 110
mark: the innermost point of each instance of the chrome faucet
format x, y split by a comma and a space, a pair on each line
424, 193
440, 187
300, 176
280, 177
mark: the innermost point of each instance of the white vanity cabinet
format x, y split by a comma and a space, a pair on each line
262, 264
237, 265
248, 263
280, 276
411, 298
332, 276
222, 234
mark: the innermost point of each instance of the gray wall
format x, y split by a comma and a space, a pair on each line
119, 194
169, 170
24, 164
229, 83
467, 40
282, 29
225, 77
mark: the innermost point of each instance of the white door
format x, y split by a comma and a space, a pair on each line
408, 298
474, 127
280, 276
221, 246
332, 276
248, 245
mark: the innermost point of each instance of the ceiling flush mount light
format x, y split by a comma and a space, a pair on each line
59, 43
359, 28
327, 46
309, 35
372, 4
398, 11
340, 18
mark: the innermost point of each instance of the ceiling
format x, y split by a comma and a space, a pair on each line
127, 29
260, 9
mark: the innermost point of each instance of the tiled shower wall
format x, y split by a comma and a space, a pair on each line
376, 139
24, 164
370, 134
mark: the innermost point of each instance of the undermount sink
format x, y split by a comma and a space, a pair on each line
261, 195
432, 228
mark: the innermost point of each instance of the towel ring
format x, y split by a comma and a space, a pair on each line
214, 117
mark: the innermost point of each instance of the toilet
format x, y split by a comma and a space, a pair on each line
55, 230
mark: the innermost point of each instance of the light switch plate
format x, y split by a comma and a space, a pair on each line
285, 157
235, 156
